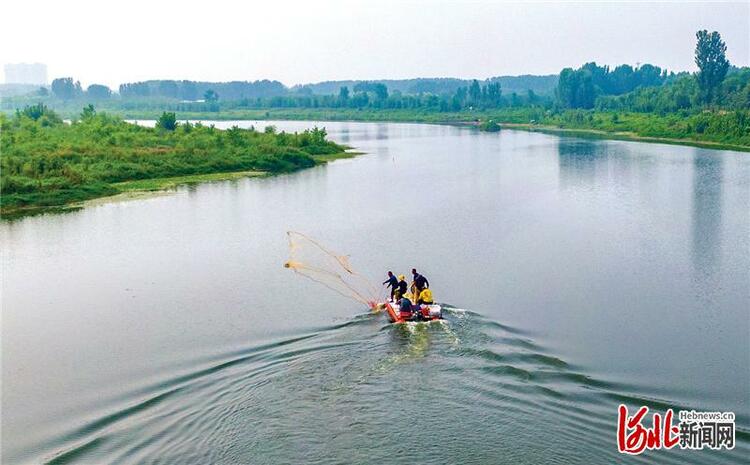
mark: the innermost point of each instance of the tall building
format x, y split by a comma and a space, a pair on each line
26, 73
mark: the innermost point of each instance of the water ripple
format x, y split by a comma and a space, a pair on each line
361, 392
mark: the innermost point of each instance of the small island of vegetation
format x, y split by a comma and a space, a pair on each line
50, 163
489, 126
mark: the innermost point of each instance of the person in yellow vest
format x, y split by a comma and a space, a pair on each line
425, 297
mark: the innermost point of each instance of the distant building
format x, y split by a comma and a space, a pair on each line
26, 73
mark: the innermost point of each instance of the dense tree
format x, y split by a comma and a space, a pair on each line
167, 120
580, 88
377, 89
98, 92
88, 112
168, 89
710, 56
188, 90
475, 92
33, 111
66, 88
210, 96
343, 95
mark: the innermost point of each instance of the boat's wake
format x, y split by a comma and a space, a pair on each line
464, 389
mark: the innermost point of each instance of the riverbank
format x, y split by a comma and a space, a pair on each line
143, 188
627, 136
705, 130
719, 130
48, 165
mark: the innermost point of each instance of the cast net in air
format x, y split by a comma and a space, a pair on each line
307, 257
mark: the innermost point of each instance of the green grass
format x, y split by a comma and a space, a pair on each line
158, 184
711, 129
45, 163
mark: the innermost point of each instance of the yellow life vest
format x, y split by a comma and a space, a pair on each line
426, 296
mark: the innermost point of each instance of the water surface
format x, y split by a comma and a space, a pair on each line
579, 274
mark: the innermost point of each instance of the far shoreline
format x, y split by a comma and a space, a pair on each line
331, 117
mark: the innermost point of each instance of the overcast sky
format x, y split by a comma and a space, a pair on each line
294, 42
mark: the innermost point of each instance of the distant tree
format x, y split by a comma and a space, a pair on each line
98, 92
65, 88
575, 88
88, 112
317, 135
168, 121
188, 90
42, 92
41, 113
567, 86
381, 91
305, 90
33, 111
710, 56
494, 93
359, 100
135, 89
475, 92
168, 89
343, 95
210, 96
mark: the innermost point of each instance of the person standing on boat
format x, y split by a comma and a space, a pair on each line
391, 282
420, 283
402, 287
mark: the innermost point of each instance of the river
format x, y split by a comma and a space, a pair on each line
577, 274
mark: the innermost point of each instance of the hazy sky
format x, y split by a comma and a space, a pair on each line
111, 42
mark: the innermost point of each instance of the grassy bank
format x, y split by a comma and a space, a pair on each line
160, 184
719, 129
46, 163
710, 129
626, 136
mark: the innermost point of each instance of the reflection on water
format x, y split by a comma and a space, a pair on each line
707, 213
579, 161
597, 272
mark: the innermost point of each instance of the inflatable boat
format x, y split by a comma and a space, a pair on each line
423, 312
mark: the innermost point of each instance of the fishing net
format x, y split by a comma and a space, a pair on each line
309, 258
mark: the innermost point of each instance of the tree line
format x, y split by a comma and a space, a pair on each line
649, 88
645, 88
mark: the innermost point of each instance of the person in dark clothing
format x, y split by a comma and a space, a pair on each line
405, 308
402, 287
420, 282
391, 282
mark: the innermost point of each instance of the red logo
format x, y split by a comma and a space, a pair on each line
633, 438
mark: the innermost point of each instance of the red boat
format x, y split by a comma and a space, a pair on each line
430, 312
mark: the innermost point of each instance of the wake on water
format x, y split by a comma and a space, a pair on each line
465, 389
363, 391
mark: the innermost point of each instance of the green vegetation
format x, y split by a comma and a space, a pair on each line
646, 102
159, 184
489, 125
46, 162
